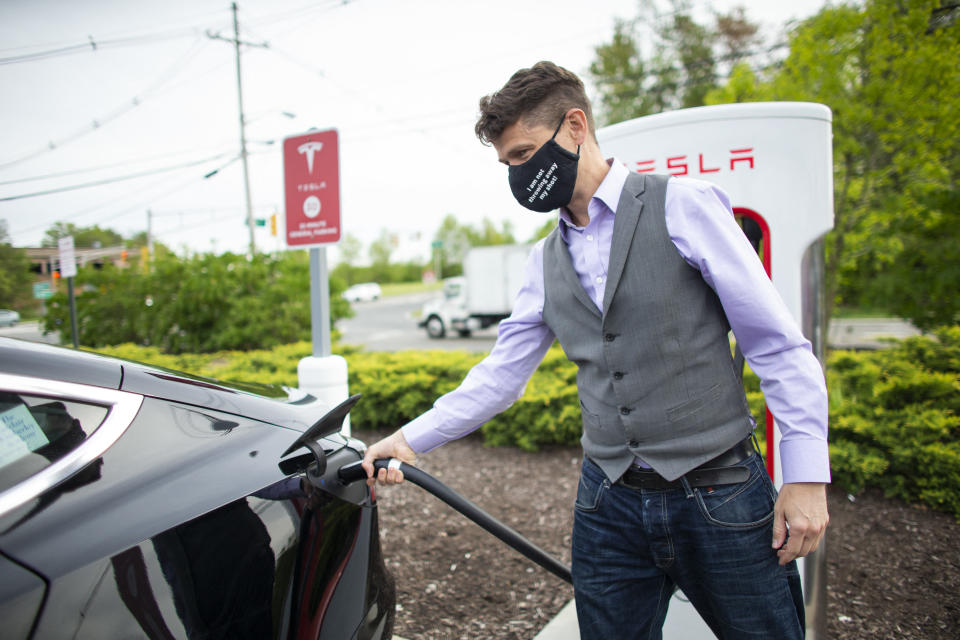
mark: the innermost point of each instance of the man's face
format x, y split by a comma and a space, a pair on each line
518, 142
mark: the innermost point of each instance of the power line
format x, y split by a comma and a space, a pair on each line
128, 106
282, 16
122, 163
93, 45
96, 183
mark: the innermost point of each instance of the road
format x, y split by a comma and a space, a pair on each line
390, 324
30, 331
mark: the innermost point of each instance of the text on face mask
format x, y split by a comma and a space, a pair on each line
543, 183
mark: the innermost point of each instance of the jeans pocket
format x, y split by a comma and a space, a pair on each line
593, 484
739, 506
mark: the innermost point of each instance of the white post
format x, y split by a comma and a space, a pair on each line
323, 374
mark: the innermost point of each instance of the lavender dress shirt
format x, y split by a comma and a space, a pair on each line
702, 227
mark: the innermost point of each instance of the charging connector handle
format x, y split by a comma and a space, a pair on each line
354, 472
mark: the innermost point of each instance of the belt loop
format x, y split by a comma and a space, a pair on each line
686, 486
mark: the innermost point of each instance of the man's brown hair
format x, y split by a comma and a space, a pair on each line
540, 95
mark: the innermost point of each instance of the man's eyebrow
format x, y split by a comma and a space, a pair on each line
514, 152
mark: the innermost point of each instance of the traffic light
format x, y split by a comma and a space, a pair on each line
273, 224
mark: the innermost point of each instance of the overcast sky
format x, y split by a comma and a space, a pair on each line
96, 90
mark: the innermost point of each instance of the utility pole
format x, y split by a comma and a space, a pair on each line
150, 233
243, 136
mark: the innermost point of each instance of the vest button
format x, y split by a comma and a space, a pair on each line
625, 411
634, 444
609, 337
618, 375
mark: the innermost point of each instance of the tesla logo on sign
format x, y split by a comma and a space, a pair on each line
311, 169
308, 149
682, 165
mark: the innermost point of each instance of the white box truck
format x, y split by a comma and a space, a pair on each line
483, 296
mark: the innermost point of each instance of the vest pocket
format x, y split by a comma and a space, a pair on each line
693, 405
590, 420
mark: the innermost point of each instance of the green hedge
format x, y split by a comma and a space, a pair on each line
894, 419
199, 303
893, 413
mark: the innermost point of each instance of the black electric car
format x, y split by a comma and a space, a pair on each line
136, 502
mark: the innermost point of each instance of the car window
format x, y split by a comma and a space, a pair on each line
36, 431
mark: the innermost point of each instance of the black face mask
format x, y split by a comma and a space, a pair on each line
545, 182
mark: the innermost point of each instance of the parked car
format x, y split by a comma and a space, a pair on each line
138, 502
363, 292
8, 317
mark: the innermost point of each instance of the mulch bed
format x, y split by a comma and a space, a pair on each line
893, 569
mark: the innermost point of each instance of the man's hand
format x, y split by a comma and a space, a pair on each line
393, 446
801, 506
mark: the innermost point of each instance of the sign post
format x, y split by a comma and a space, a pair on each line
68, 269
311, 169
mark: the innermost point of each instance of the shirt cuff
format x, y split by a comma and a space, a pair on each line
422, 433
806, 460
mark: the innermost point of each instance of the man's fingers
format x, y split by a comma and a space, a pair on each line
779, 529
803, 539
387, 475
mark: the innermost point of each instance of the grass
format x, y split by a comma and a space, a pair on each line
861, 312
404, 288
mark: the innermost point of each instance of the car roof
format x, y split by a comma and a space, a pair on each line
38, 360
266, 403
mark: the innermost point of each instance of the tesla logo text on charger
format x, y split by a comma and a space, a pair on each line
701, 162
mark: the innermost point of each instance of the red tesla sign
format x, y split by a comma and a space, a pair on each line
311, 170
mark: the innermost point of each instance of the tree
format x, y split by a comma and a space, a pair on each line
679, 69
488, 234
198, 304
381, 248
544, 230
14, 271
350, 249
619, 72
736, 36
888, 71
743, 85
692, 45
455, 239
87, 237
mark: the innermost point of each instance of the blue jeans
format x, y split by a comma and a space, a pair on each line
632, 548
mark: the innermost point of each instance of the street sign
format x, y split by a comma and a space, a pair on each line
311, 170
68, 259
42, 290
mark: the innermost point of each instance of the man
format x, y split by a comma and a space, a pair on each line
640, 282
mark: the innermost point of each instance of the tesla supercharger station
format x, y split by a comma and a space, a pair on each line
775, 161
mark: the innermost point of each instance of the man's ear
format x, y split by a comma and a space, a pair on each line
577, 125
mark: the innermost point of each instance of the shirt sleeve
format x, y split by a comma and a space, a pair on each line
497, 381
701, 224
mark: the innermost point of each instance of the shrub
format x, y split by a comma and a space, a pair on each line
895, 419
199, 304
893, 413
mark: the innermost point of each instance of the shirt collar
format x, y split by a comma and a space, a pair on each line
605, 199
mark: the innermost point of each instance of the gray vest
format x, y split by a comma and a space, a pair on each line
655, 375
